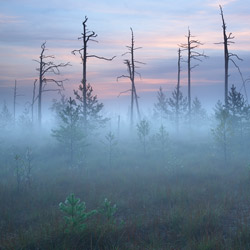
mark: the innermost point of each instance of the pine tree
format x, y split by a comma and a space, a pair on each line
58, 106
6, 118
198, 113
178, 106
25, 121
70, 133
237, 107
143, 129
161, 107
94, 108
161, 140
223, 130
239, 112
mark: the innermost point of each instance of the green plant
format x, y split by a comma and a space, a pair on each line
22, 168
76, 214
70, 133
143, 129
19, 170
108, 210
110, 143
161, 139
223, 131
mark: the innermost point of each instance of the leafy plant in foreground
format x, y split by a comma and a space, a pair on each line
76, 214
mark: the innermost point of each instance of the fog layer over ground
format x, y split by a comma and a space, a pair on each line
166, 181
116, 161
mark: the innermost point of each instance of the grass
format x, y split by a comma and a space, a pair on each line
190, 202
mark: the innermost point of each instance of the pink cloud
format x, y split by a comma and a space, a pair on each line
9, 19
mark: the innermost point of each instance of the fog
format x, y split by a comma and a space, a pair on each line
117, 147
168, 178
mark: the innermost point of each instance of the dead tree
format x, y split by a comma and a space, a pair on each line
190, 46
131, 67
178, 89
227, 40
45, 68
86, 37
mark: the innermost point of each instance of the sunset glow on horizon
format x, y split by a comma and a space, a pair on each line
159, 27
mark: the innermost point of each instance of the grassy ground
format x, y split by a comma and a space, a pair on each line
190, 201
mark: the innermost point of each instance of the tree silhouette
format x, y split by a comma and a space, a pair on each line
223, 130
228, 56
178, 105
93, 108
69, 133
86, 37
143, 129
190, 47
161, 107
131, 67
238, 110
198, 113
46, 68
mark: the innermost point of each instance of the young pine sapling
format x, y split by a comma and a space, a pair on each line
162, 141
75, 214
143, 129
223, 131
111, 142
108, 210
70, 133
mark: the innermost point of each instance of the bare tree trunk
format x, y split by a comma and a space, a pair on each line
71, 132
33, 101
132, 71
226, 56
132, 108
227, 40
40, 88
84, 79
190, 46
137, 104
225, 144
40, 100
133, 76
46, 67
86, 37
178, 90
189, 74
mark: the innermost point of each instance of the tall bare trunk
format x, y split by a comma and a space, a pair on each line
178, 90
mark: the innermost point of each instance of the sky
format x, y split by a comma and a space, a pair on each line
159, 27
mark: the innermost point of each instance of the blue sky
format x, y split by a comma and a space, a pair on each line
159, 26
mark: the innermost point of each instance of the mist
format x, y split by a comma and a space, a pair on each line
135, 139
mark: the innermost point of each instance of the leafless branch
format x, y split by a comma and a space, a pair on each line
140, 62
122, 76
126, 53
235, 55
138, 74
102, 58
123, 92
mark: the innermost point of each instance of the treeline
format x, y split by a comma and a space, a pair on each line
80, 117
